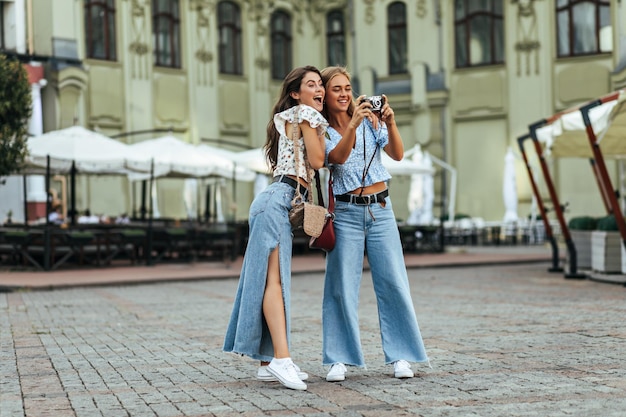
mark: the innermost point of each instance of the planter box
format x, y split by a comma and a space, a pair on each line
606, 252
582, 242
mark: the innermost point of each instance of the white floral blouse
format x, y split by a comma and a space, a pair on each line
285, 161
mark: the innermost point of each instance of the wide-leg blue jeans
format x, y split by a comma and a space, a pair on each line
371, 229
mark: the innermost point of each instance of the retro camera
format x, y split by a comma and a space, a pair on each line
377, 102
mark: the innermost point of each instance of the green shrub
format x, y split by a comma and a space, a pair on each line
607, 223
582, 223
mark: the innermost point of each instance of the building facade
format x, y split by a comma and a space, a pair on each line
465, 78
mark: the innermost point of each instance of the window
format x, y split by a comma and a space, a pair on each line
479, 33
281, 44
100, 29
229, 26
335, 39
397, 47
8, 30
584, 27
166, 33
2, 46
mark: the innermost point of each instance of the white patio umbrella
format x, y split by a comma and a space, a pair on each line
190, 197
91, 152
404, 166
253, 159
509, 188
238, 170
182, 159
428, 192
421, 192
260, 183
415, 200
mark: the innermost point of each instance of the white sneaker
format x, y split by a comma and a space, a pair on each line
402, 369
262, 374
286, 373
337, 372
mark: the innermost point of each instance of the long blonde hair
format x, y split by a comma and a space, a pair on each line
291, 84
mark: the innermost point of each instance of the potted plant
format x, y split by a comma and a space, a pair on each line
581, 229
606, 246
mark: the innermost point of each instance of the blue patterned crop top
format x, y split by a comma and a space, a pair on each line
348, 176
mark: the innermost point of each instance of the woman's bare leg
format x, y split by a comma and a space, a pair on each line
274, 307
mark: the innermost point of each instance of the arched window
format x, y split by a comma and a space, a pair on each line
584, 27
335, 38
397, 30
166, 33
281, 44
229, 26
100, 29
479, 32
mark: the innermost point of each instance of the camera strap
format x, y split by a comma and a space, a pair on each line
366, 166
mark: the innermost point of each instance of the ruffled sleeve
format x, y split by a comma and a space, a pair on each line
304, 112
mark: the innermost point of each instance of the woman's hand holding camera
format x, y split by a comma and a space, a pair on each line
375, 105
361, 111
386, 114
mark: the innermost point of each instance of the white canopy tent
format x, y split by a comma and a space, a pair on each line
595, 130
564, 135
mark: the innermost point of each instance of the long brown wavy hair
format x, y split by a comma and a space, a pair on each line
328, 74
291, 84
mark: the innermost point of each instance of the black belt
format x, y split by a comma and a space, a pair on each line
293, 183
363, 199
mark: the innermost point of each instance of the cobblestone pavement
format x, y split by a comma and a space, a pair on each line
510, 340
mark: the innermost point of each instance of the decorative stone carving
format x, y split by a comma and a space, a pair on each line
259, 12
369, 11
421, 9
204, 55
317, 9
138, 47
527, 45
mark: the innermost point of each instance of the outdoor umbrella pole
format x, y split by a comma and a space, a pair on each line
198, 198
46, 233
149, 243
25, 190
207, 204
73, 195
134, 198
143, 200
234, 192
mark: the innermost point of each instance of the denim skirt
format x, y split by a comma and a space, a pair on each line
247, 332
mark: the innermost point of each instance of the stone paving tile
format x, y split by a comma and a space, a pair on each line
508, 340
